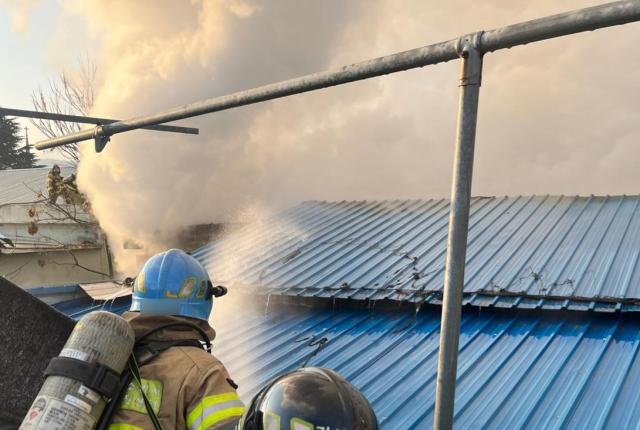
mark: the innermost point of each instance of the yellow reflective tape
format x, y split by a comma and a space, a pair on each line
140, 285
185, 291
197, 412
300, 424
218, 417
187, 287
271, 421
133, 400
124, 427
202, 291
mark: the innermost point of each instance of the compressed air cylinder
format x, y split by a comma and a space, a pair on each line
66, 403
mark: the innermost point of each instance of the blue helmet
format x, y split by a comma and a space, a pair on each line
174, 283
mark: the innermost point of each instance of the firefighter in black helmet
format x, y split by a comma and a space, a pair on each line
310, 398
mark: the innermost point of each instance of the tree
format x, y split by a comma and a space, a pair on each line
12, 154
69, 95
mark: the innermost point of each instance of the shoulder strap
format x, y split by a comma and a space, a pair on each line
189, 325
110, 409
147, 351
144, 352
131, 375
135, 371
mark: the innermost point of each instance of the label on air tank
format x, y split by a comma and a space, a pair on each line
53, 414
74, 401
89, 394
74, 353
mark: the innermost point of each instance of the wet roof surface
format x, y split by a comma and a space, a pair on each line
548, 247
539, 370
517, 369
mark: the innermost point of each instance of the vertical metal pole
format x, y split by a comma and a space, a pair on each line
470, 76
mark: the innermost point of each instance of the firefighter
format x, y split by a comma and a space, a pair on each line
310, 398
183, 385
54, 184
70, 192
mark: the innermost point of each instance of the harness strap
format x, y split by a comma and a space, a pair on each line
144, 352
133, 366
147, 351
96, 376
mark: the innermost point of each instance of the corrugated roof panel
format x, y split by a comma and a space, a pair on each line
515, 370
75, 302
536, 370
582, 248
22, 185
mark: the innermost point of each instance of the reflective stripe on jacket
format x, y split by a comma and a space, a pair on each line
188, 387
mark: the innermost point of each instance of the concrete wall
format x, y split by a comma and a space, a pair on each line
46, 239
34, 269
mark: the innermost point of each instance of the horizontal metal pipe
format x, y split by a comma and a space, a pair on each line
384, 65
606, 15
588, 19
89, 120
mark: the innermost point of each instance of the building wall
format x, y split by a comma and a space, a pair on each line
32, 269
46, 239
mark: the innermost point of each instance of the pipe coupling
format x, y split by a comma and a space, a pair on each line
100, 138
469, 49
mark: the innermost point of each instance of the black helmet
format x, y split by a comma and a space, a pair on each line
309, 398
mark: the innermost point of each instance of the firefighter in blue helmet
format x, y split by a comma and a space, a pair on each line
183, 385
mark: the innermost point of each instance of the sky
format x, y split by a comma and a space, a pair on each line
25, 54
32, 42
556, 117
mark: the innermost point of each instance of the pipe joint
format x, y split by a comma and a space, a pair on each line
100, 138
469, 49
469, 41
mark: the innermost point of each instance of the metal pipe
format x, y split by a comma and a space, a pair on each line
384, 65
588, 19
616, 13
89, 120
470, 78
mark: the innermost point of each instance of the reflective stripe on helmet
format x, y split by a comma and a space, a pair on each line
215, 409
300, 424
124, 427
271, 421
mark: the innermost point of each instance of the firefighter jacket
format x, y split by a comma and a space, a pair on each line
187, 387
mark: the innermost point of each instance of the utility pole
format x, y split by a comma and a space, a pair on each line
26, 140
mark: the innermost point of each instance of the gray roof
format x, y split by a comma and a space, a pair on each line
22, 185
527, 251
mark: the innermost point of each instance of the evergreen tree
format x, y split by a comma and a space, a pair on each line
12, 154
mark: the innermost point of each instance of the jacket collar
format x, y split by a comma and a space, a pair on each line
141, 323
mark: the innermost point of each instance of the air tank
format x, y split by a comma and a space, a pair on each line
67, 403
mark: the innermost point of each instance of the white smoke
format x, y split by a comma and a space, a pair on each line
20, 12
555, 117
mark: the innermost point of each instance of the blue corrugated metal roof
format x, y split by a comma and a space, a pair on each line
73, 301
515, 371
77, 308
578, 248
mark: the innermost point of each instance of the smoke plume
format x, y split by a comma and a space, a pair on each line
20, 12
555, 117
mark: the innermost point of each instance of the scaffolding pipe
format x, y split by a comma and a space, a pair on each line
615, 13
470, 79
50, 116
